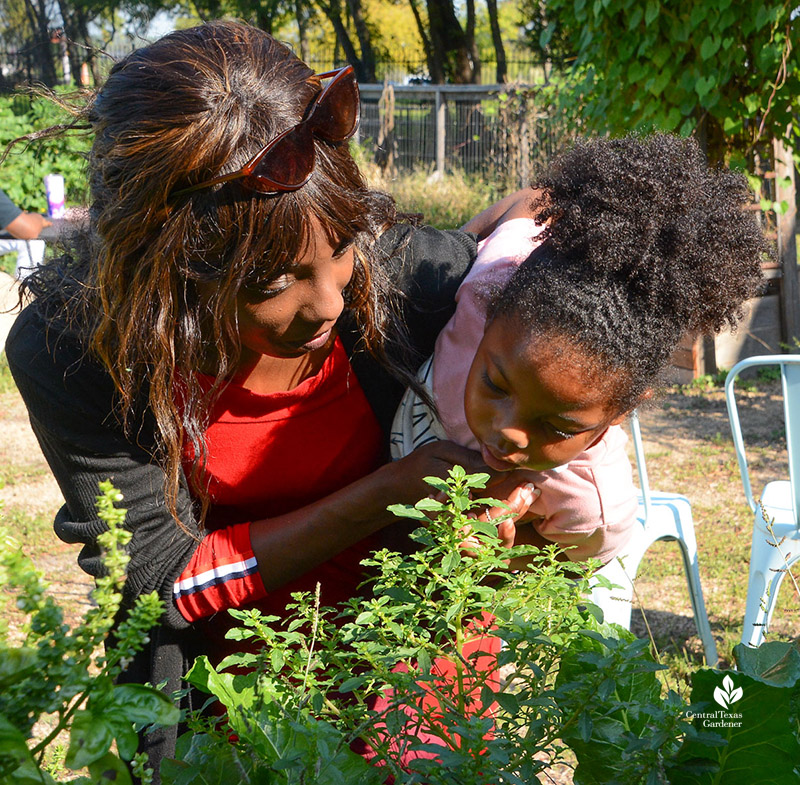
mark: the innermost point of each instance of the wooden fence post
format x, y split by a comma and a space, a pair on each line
785, 191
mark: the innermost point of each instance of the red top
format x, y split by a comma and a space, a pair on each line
268, 455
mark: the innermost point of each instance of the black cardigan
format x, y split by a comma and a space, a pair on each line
70, 401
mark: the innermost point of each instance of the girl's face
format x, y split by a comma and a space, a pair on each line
531, 403
295, 313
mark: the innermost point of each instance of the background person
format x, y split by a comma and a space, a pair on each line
24, 227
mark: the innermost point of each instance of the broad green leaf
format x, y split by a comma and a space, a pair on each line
110, 770
430, 505
352, 683
450, 562
16, 763
709, 47
508, 701
89, 740
145, 705
651, 12
16, 664
773, 662
762, 746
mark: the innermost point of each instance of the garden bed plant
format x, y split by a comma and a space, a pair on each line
546, 682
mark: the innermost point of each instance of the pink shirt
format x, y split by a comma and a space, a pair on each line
589, 503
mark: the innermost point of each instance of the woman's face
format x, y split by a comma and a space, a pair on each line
295, 314
533, 404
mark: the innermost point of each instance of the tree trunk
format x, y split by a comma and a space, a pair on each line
497, 40
43, 52
449, 43
472, 46
434, 71
333, 11
364, 41
785, 191
302, 28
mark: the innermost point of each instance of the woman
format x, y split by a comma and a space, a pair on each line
230, 342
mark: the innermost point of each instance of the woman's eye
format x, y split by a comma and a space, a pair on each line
343, 247
491, 385
270, 288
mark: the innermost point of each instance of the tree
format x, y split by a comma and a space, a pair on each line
721, 69
452, 54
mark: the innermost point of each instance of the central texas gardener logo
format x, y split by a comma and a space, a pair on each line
727, 693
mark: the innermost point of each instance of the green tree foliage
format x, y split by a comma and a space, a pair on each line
725, 70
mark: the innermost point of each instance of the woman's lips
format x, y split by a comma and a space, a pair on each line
317, 342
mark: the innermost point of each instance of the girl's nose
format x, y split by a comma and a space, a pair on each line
514, 437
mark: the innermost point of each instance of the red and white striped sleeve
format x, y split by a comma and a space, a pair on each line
222, 573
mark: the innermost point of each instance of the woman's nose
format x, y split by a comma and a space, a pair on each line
326, 302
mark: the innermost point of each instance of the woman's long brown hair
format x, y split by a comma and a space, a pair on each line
195, 104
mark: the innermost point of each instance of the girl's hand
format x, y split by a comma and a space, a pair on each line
519, 501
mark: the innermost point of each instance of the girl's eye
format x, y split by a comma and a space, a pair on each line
491, 385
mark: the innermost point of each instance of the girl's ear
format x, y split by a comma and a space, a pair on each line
646, 396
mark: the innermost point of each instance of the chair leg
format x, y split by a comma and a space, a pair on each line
768, 565
690, 564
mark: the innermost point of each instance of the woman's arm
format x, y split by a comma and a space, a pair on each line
69, 402
516, 205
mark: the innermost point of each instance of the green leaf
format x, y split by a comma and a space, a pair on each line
773, 662
508, 701
145, 705
407, 511
16, 763
762, 746
430, 505
450, 561
704, 85
651, 12
89, 740
110, 770
709, 47
635, 18
16, 664
352, 683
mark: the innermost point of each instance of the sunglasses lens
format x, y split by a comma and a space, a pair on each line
287, 164
335, 115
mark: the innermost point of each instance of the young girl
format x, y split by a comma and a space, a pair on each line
634, 244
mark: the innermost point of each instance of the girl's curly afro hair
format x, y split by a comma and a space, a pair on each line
644, 244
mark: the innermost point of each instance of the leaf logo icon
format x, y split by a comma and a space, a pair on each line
727, 694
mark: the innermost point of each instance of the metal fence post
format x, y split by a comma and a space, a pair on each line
441, 130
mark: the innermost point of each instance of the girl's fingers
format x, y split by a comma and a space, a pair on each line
519, 502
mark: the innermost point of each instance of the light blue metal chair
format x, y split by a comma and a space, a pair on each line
663, 516
776, 534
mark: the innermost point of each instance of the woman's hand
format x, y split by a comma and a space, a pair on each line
430, 460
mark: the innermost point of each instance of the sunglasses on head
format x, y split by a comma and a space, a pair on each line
286, 162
